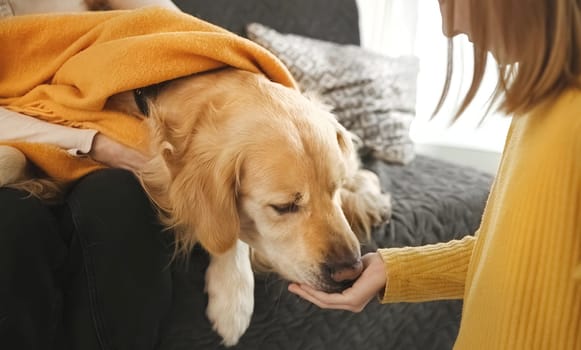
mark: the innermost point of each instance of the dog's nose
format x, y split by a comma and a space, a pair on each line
345, 271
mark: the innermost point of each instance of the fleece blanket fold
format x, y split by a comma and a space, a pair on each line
61, 68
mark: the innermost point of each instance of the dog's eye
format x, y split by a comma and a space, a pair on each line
285, 208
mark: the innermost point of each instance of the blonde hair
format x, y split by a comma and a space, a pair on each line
541, 37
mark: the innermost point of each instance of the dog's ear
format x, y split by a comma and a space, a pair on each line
194, 185
201, 173
203, 200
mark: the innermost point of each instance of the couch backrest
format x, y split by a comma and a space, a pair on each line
332, 20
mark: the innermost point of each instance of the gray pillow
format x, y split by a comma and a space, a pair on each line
372, 95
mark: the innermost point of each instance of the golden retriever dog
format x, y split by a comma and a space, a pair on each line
252, 171
243, 163
244, 166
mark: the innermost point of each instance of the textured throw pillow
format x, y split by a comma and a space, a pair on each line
372, 95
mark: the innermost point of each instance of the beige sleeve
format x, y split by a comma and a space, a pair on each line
430, 272
16, 126
131, 4
25, 7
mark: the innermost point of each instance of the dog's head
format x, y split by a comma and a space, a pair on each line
240, 157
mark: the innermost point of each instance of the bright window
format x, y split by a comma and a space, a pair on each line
431, 48
399, 27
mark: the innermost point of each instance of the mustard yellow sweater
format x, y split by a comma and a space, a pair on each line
520, 275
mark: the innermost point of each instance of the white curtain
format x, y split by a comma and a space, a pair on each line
431, 48
414, 27
388, 26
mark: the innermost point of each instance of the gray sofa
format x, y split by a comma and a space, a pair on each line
433, 201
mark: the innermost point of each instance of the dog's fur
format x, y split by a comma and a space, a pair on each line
240, 163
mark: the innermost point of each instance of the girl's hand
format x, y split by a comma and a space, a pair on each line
372, 281
111, 153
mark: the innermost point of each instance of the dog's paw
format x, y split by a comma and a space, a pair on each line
377, 202
230, 315
12, 165
364, 204
380, 208
230, 288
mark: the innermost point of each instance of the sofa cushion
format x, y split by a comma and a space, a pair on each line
372, 95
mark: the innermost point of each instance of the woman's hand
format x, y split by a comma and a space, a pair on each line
111, 153
372, 281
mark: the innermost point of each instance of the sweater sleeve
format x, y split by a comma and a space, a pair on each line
430, 272
16, 126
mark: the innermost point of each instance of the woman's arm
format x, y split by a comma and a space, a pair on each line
30, 7
131, 4
412, 274
430, 272
16, 126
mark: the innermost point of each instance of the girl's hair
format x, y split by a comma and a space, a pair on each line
542, 37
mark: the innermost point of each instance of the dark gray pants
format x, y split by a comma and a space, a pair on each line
90, 274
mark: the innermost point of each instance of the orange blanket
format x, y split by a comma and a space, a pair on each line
62, 68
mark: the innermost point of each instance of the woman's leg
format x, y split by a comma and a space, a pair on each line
32, 255
125, 277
